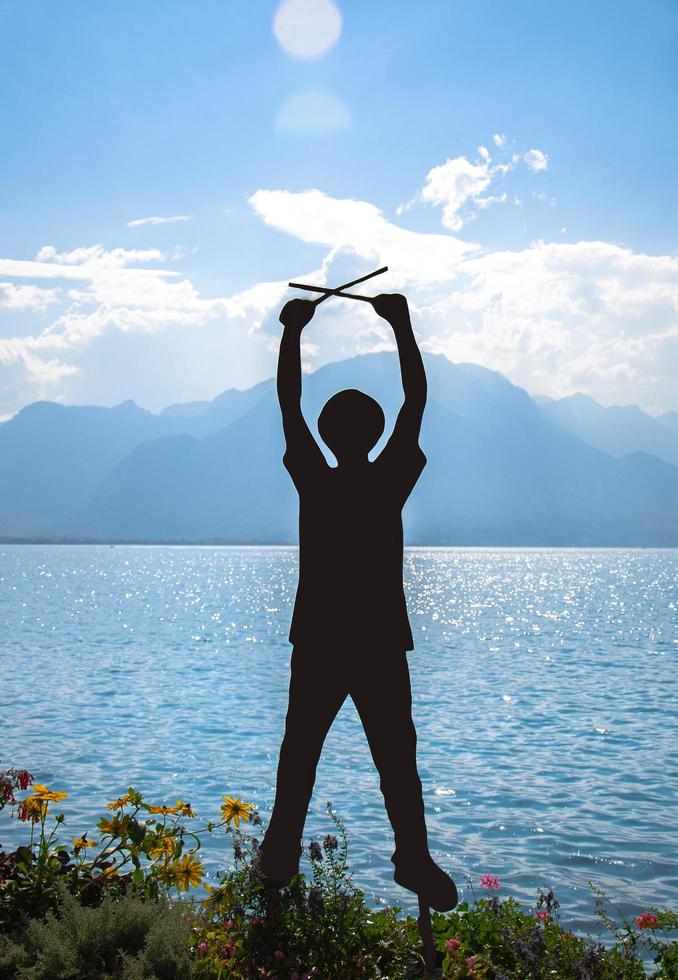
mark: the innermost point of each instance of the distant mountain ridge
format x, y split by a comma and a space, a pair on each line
504, 469
617, 430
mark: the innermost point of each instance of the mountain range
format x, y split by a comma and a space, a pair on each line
504, 468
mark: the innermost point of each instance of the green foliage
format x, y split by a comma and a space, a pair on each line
109, 907
124, 937
318, 927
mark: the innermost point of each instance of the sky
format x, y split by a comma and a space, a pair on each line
167, 168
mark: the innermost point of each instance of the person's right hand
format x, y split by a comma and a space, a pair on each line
297, 313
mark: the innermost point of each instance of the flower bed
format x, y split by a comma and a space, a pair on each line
124, 902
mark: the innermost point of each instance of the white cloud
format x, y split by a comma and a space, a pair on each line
112, 293
26, 297
554, 317
313, 216
459, 184
452, 184
157, 220
536, 160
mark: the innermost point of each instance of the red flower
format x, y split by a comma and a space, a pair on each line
647, 921
25, 778
6, 790
452, 944
544, 916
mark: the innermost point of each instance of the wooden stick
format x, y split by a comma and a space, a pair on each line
337, 290
329, 292
426, 933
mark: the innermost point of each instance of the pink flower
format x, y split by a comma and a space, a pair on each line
279, 955
471, 962
229, 924
544, 916
452, 944
647, 921
202, 948
489, 881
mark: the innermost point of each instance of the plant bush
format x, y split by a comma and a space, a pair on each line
123, 937
112, 906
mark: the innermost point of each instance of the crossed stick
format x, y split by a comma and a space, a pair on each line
338, 291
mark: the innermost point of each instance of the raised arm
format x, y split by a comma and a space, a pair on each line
393, 308
301, 446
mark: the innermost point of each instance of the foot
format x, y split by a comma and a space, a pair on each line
429, 882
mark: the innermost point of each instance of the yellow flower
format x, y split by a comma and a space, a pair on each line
163, 809
42, 793
234, 809
79, 843
166, 873
163, 847
115, 826
109, 872
185, 809
119, 803
33, 808
188, 871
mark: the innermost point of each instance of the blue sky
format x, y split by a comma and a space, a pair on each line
514, 165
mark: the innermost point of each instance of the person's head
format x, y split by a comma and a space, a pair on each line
350, 424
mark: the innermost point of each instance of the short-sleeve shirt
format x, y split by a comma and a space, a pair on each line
350, 589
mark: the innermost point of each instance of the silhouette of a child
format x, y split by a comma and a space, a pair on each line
350, 599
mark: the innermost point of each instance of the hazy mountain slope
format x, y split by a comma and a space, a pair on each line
500, 472
203, 418
617, 430
53, 456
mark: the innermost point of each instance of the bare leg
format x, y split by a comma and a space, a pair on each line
314, 701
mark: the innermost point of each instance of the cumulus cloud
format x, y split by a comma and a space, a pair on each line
459, 185
555, 317
536, 160
158, 220
452, 184
26, 297
313, 216
107, 290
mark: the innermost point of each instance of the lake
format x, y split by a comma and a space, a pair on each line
544, 685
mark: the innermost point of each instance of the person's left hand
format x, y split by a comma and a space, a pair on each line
392, 307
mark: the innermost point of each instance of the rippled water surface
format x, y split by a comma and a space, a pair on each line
544, 686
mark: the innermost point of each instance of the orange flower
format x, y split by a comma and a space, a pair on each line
119, 803
164, 809
185, 809
43, 793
